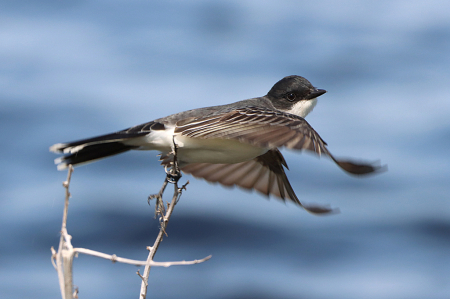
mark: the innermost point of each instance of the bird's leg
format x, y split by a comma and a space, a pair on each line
173, 174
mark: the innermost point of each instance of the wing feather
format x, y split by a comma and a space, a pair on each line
266, 128
257, 126
265, 174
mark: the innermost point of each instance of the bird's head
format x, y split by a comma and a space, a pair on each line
295, 95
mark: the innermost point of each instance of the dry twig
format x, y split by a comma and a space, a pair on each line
173, 175
63, 258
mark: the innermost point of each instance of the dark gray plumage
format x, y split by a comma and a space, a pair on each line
234, 144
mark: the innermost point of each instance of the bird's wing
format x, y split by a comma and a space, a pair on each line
257, 126
265, 128
265, 174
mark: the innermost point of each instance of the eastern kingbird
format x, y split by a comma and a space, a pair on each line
234, 144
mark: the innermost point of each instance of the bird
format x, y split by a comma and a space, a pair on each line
236, 144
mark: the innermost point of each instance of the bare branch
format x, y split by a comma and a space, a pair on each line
173, 175
115, 258
152, 250
142, 277
64, 256
62, 259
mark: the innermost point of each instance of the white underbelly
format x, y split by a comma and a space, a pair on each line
196, 150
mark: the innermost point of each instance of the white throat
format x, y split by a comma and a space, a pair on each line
303, 107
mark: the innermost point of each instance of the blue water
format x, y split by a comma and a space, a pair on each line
72, 70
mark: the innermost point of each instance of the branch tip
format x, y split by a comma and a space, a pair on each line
142, 277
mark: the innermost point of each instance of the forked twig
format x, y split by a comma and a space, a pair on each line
172, 176
63, 258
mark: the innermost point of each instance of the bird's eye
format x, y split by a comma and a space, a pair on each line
291, 96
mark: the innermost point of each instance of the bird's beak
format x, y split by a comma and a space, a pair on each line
315, 93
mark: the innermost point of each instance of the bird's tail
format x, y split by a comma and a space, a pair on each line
92, 149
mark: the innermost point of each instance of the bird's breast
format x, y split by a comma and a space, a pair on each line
223, 151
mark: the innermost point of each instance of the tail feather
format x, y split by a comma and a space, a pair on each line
92, 153
89, 150
73, 147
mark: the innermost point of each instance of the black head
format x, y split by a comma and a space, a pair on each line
292, 89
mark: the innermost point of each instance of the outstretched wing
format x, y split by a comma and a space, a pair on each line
265, 128
265, 174
257, 126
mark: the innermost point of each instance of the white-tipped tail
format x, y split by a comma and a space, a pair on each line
66, 149
95, 148
59, 160
62, 166
57, 148
74, 149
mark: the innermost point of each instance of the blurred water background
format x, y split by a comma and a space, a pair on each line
75, 69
